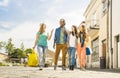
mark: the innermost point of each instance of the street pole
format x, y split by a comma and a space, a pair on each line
108, 54
111, 34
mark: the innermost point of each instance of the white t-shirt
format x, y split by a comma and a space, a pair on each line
72, 41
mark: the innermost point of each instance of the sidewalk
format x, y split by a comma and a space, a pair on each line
33, 72
105, 70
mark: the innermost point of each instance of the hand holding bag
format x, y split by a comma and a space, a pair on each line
33, 59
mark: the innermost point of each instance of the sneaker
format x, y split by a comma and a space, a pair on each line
40, 68
82, 68
72, 67
55, 67
63, 68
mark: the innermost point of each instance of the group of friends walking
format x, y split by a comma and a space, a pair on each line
64, 41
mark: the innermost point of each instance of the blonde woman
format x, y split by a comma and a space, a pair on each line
42, 45
81, 48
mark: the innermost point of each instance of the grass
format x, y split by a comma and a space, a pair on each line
4, 64
10, 64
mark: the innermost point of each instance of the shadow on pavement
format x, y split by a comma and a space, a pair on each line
105, 70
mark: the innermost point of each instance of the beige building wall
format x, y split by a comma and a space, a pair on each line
102, 14
93, 13
92, 37
104, 22
103, 36
115, 31
103, 33
94, 7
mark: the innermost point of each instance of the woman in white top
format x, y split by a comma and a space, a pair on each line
72, 41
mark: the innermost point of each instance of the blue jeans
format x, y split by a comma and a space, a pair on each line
41, 54
71, 53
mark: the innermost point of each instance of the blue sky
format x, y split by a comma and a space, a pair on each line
20, 19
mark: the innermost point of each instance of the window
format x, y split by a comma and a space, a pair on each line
118, 38
104, 48
95, 49
104, 6
88, 24
94, 19
95, 45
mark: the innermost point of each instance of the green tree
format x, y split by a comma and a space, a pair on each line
17, 53
29, 50
24, 54
2, 44
9, 47
22, 46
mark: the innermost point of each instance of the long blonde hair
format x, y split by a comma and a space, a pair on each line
84, 31
41, 30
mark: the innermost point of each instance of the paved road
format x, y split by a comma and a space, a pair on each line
31, 72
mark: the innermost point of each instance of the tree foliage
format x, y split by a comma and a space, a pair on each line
2, 44
14, 52
29, 50
22, 46
9, 47
17, 53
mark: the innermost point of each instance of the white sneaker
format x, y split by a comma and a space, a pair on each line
40, 68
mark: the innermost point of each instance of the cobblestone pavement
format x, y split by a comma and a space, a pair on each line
32, 72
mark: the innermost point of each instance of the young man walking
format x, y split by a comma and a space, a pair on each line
60, 41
